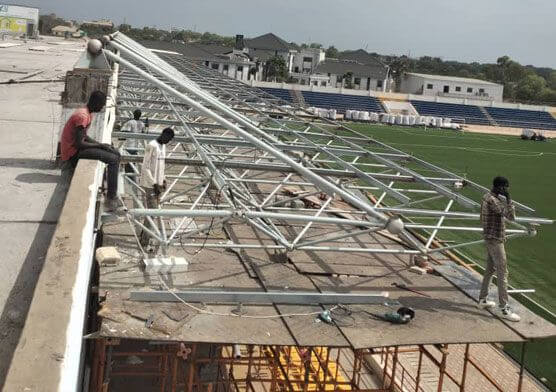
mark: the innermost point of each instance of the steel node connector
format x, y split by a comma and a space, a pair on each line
94, 47
395, 225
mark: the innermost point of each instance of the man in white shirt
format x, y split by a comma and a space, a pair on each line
152, 173
133, 126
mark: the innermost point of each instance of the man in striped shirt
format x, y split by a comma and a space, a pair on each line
496, 207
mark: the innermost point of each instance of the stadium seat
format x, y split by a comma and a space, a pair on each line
339, 102
458, 113
278, 92
518, 118
342, 102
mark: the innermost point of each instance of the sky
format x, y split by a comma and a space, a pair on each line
464, 30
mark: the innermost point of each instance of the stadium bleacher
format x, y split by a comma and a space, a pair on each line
468, 114
278, 92
519, 118
342, 102
471, 114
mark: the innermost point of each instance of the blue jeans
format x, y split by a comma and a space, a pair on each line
112, 160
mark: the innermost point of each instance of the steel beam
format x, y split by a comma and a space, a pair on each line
259, 297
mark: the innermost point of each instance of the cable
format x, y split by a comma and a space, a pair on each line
209, 229
127, 215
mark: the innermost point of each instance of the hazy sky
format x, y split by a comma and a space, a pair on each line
468, 30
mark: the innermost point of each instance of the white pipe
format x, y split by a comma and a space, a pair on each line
439, 225
252, 214
306, 248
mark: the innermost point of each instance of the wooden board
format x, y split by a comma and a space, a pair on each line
531, 326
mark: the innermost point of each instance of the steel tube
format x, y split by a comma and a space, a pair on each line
302, 248
325, 185
260, 297
250, 214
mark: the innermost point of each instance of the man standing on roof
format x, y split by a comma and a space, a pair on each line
495, 208
152, 173
76, 145
133, 126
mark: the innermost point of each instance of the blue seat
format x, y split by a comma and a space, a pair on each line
458, 113
278, 92
342, 102
519, 118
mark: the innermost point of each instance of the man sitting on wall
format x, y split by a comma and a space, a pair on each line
76, 145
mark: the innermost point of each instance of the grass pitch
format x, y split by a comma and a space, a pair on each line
531, 168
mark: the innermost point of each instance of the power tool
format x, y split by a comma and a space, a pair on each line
402, 316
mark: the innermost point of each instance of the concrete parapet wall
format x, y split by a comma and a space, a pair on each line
49, 344
49, 353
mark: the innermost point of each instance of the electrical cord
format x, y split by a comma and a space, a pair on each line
208, 230
203, 311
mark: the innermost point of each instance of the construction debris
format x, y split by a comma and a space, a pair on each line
107, 255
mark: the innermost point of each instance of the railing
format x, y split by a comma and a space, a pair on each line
466, 96
397, 377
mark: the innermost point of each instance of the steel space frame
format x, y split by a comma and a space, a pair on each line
233, 138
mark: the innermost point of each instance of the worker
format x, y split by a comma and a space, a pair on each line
495, 208
152, 173
76, 145
133, 126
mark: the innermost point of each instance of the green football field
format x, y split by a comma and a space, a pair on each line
531, 168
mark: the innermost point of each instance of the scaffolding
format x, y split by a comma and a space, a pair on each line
170, 367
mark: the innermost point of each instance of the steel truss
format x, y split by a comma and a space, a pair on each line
242, 155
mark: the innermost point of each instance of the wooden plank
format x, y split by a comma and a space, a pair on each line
276, 273
531, 326
447, 316
126, 319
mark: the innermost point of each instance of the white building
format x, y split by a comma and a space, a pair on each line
19, 20
351, 74
236, 65
450, 86
65, 31
246, 61
304, 61
267, 46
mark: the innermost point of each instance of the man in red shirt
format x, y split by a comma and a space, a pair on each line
75, 144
